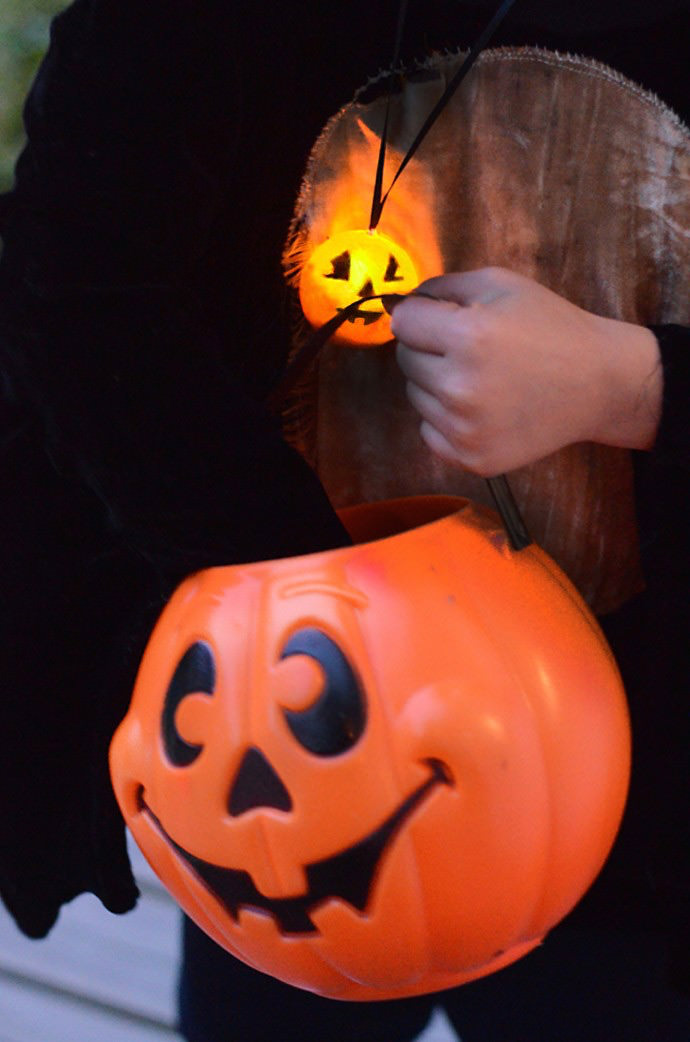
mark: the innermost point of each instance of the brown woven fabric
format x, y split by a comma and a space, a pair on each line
556, 167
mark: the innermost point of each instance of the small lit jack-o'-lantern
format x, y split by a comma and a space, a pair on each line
379, 770
353, 265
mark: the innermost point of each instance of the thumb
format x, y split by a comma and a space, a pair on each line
433, 314
467, 287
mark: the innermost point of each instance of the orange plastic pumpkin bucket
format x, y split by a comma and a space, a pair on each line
379, 770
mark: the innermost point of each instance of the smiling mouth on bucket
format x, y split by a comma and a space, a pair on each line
347, 876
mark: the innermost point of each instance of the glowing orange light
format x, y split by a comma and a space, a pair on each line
350, 265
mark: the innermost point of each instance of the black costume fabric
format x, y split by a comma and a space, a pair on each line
141, 323
133, 450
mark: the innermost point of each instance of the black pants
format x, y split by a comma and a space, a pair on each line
582, 985
222, 1000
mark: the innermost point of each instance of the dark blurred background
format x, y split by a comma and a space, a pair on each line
24, 26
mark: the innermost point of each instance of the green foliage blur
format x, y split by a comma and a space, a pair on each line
24, 27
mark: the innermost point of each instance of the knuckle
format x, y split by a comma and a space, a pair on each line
485, 467
480, 332
476, 461
497, 273
450, 396
494, 271
477, 449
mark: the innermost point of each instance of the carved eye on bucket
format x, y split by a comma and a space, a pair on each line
336, 720
195, 674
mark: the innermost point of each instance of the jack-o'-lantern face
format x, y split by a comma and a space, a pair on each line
331, 724
353, 265
379, 770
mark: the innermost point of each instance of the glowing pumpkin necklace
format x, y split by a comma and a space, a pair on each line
364, 264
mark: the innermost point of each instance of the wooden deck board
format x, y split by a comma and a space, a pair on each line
126, 962
31, 1014
96, 976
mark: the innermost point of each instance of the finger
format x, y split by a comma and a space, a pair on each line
428, 406
426, 325
451, 424
466, 287
439, 444
424, 369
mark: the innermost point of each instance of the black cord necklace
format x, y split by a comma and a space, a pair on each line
498, 486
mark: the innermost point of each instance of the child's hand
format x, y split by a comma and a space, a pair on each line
503, 371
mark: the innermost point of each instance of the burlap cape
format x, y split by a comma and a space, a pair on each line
551, 165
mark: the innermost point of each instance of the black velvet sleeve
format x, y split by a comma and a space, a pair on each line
650, 637
131, 454
662, 480
662, 475
672, 446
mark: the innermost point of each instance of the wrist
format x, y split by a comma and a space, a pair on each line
633, 386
